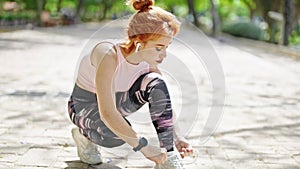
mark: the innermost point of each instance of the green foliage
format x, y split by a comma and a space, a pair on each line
294, 39
244, 29
295, 36
19, 15
231, 10
202, 5
179, 8
51, 6
68, 4
6, 16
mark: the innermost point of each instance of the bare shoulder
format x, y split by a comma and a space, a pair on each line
103, 51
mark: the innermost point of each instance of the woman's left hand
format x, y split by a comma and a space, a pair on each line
183, 147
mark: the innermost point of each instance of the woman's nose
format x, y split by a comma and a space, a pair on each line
163, 55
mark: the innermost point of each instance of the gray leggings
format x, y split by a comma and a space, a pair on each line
150, 87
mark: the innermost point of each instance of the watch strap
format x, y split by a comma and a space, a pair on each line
143, 142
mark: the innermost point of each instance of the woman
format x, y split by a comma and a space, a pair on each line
116, 79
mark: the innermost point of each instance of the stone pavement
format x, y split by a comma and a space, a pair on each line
260, 125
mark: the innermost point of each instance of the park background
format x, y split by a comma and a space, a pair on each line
257, 44
273, 21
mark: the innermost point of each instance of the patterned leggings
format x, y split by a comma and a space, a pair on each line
150, 87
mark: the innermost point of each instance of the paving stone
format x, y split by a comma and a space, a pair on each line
257, 149
239, 155
211, 142
14, 148
8, 158
296, 158
281, 166
278, 159
6, 165
231, 142
259, 127
39, 157
249, 164
3, 130
222, 164
205, 163
217, 153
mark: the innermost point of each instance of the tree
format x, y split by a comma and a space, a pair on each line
264, 7
251, 6
215, 18
59, 5
193, 12
288, 20
78, 10
106, 6
296, 13
40, 6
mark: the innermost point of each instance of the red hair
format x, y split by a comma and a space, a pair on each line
149, 23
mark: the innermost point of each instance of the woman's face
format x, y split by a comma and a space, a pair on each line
154, 51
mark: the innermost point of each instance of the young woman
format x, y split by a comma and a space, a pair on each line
116, 79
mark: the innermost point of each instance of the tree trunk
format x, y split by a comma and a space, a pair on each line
105, 9
215, 18
59, 5
78, 10
288, 20
40, 6
193, 12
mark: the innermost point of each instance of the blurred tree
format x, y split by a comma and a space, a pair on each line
215, 18
264, 7
171, 6
59, 5
288, 12
106, 6
40, 6
30, 4
296, 13
193, 12
225, 9
78, 10
251, 6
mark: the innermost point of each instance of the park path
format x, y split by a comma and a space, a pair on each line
259, 127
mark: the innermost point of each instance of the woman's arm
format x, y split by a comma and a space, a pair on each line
107, 63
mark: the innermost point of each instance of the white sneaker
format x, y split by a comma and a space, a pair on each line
173, 162
87, 151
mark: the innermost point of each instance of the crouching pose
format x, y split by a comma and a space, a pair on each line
118, 78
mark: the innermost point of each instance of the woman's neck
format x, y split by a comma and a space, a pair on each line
130, 56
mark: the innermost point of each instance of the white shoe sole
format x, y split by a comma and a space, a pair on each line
83, 144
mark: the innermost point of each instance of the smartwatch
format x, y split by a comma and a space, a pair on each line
142, 143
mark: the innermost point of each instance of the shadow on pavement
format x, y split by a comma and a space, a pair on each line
80, 165
258, 129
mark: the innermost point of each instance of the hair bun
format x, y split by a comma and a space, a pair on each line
141, 5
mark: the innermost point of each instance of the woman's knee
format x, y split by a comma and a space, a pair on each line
150, 78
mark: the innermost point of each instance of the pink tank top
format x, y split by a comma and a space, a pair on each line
125, 75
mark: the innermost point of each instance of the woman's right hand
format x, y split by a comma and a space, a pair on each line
155, 154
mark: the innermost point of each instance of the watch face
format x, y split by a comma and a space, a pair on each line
144, 141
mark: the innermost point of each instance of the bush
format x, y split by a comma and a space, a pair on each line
294, 38
244, 29
7, 16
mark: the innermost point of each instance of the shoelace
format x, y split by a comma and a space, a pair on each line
173, 159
